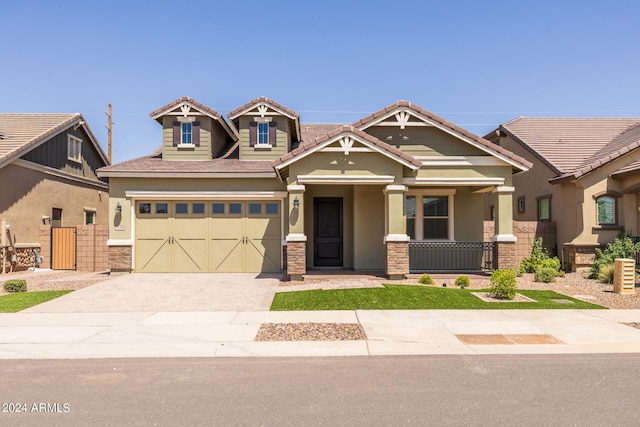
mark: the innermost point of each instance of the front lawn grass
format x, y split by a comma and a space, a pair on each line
407, 297
12, 303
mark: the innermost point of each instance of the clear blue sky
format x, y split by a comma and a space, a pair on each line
476, 63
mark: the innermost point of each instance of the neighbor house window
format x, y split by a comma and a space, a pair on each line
89, 216
429, 217
56, 217
606, 210
74, 146
521, 204
186, 133
544, 208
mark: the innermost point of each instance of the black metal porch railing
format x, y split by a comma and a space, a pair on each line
450, 256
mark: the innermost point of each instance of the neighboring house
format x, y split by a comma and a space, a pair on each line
48, 168
586, 179
261, 192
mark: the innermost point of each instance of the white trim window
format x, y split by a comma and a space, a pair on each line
263, 133
430, 215
186, 134
89, 216
74, 149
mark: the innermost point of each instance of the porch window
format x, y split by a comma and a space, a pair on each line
429, 216
606, 210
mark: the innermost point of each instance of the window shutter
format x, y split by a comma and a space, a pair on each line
253, 133
273, 126
195, 137
176, 133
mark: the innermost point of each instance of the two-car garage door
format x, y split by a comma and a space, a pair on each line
208, 236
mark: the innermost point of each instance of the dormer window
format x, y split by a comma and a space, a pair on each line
262, 133
186, 133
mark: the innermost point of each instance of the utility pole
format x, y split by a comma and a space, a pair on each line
109, 129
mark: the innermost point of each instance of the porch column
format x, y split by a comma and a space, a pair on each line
504, 249
296, 239
396, 239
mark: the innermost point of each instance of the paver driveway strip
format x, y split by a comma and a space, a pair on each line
154, 292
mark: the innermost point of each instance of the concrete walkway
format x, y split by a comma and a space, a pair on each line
393, 332
218, 315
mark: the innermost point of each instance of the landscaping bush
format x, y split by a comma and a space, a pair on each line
15, 285
539, 258
462, 281
503, 284
605, 275
622, 247
545, 274
426, 280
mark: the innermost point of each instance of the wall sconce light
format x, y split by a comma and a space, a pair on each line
118, 208
296, 203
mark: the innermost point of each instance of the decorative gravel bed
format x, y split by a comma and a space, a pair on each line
55, 280
632, 324
310, 332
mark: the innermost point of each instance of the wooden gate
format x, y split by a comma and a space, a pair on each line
63, 248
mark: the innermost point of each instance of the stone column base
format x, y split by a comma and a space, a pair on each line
397, 261
296, 260
580, 258
504, 255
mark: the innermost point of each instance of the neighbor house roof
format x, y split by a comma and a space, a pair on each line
21, 132
185, 100
572, 147
482, 143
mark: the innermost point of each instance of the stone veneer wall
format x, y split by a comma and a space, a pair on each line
120, 258
397, 262
504, 255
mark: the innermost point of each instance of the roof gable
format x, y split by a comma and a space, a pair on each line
346, 139
263, 106
22, 132
404, 114
185, 106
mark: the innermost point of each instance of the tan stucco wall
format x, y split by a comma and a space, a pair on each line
27, 195
468, 215
368, 227
368, 164
424, 141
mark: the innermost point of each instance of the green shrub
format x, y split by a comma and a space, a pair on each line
503, 284
539, 258
622, 247
545, 274
426, 280
605, 275
462, 281
15, 285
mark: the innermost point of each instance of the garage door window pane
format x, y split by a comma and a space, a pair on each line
162, 208
218, 208
182, 208
198, 208
235, 208
144, 208
255, 208
272, 208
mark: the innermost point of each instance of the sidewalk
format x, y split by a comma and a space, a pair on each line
394, 332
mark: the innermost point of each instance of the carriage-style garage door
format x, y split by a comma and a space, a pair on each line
213, 236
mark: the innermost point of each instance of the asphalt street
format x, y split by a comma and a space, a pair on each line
589, 389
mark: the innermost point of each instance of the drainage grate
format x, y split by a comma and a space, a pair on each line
492, 339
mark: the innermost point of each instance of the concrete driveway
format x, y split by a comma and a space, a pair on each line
153, 292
